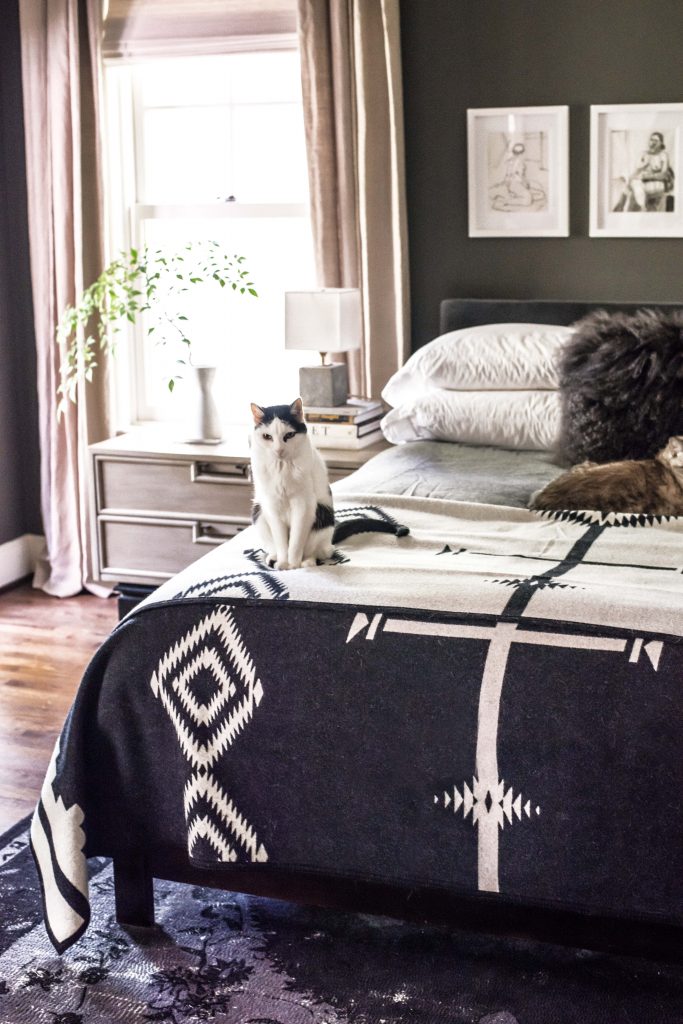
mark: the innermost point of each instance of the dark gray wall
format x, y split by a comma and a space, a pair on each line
19, 449
512, 53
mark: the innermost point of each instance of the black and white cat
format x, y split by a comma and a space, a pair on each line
293, 506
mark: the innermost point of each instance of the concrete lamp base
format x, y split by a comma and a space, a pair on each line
324, 385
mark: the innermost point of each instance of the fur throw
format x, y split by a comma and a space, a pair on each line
621, 384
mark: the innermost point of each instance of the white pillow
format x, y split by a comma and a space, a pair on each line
508, 419
490, 357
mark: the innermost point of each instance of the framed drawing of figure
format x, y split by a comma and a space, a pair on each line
635, 169
517, 170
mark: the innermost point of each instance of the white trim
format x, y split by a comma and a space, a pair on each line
18, 557
519, 224
606, 223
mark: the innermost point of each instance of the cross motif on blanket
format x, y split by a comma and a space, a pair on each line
207, 684
488, 800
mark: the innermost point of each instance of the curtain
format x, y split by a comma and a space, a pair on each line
353, 109
61, 76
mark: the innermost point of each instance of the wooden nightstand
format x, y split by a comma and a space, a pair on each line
158, 503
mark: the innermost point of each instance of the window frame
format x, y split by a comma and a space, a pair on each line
126, 215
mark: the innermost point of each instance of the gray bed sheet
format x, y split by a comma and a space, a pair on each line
460, 472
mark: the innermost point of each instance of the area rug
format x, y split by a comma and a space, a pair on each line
237, 959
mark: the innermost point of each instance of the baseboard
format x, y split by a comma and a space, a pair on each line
18, 557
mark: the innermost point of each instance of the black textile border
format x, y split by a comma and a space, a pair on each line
426, 614
71, 895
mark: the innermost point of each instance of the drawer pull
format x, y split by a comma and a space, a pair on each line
214, 473
210, 533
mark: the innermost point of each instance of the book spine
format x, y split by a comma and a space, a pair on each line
344, 429
347, 443
369, 425
344, 417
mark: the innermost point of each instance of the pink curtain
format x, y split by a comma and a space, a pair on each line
61, 78
353, 110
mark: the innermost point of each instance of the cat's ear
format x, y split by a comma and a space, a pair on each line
673, 451
258, 413
297, 410
676, 448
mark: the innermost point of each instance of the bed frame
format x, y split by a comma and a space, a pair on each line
134, 878
457, 313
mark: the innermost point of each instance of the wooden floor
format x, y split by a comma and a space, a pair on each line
45, 643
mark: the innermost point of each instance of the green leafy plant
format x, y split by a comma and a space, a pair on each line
137, 282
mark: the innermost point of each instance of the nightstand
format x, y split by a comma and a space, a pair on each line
158, 503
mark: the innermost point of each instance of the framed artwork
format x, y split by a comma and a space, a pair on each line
635, 170
517, 171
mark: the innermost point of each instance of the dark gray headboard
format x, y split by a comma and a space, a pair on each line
457, 313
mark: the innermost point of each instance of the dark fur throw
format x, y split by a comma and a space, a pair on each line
621, 383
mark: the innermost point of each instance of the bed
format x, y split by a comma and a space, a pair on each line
472, 713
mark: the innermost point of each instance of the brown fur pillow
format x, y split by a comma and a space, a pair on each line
621, 384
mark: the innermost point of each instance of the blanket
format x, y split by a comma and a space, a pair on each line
488, 703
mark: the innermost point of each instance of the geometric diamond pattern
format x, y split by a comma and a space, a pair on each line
499, 803
202, 713
207, 683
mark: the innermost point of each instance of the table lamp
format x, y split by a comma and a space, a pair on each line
327, 320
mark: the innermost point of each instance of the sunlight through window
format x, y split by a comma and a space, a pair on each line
212, 148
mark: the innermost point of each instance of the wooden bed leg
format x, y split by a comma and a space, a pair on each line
133, 892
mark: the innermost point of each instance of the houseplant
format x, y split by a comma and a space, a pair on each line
142, 282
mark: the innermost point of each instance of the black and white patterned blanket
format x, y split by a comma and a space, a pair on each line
491, 703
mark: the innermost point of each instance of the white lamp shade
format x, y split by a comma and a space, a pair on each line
327, 320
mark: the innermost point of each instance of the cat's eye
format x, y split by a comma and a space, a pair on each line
267, 437
289, 435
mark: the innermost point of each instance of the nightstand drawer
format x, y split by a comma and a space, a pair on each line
147, 548
201, 489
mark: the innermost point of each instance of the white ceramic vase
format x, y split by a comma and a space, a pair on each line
204, 422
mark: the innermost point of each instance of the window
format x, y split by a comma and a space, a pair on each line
212, 148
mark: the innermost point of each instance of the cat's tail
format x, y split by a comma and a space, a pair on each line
369, 520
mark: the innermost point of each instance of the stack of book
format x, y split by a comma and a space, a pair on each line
354, 425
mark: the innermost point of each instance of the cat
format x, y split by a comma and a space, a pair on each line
651, 486
293, 508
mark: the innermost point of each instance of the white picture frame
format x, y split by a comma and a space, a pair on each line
518, 172
636, 170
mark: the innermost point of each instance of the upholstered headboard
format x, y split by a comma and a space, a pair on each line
456, 313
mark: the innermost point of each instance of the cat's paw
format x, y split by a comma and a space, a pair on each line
282, 563
308, 562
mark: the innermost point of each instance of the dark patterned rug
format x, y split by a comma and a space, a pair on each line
240, 960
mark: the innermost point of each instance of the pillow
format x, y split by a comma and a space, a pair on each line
508, 419
621, 384
490, 357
